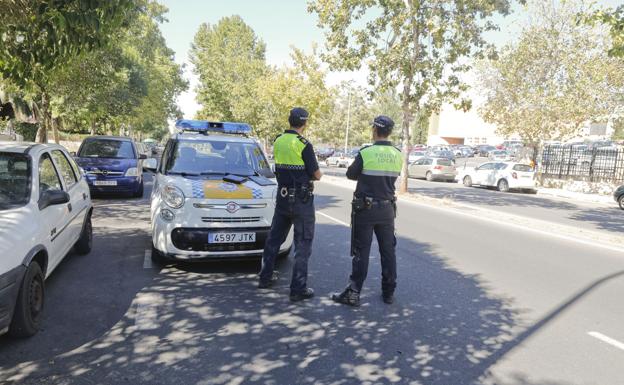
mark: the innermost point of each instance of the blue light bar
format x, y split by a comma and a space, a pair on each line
206, 126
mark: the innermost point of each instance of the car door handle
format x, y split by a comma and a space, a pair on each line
84, 196
69, 206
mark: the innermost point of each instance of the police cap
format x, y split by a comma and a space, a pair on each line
298, 117
383, 122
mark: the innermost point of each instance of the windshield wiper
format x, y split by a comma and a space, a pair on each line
183, 174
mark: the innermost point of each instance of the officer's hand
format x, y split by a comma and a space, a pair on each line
318, 174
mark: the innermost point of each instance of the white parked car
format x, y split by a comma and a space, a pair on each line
415, 155
503, 175
45, 211
213, 196
339, 159
500, 155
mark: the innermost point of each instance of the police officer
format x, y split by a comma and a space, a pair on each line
376, 169
295, 167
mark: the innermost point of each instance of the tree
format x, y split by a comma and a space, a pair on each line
40, 36
554, 80
421, 45
228, 58
614, 19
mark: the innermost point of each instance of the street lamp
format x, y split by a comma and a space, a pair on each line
348, 122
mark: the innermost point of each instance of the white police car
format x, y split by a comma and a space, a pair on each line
45, 211
213, 196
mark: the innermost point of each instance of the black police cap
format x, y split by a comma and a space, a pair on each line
298, 116
383, 121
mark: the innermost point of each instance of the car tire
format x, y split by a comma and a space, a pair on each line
429, 176
467, 181
503, 185
327, 163
28, 312
158, 258
139, 192
85, 242
621, 201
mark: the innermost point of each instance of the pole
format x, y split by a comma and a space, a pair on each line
348, 123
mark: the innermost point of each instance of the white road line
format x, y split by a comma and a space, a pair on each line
147, 261
333, 219
607, 340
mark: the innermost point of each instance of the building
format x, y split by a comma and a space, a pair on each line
453, 126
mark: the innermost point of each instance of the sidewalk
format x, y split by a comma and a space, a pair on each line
576, 196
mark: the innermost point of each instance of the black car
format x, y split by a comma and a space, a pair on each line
618, 195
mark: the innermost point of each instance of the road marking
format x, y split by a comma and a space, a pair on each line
607, 340
334, 219
147, 261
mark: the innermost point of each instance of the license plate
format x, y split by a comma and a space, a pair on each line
231, 237
105, 183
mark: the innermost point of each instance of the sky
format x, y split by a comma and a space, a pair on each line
281, 24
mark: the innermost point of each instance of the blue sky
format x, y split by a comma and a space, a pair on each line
280, 23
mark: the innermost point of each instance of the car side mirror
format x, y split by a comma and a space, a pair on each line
73, 153
150, 164
52, 197
142, 156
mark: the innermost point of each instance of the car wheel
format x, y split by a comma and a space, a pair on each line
429, 176
327, 163
503, 185
467, 181
85, 242
621, 202
29, 308
139, 192
158, 258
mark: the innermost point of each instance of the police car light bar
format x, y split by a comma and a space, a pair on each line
220, 127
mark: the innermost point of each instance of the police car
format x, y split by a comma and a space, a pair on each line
213, 196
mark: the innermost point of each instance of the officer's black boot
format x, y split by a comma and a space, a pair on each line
306, 294
388, 298
270, 282
347, 297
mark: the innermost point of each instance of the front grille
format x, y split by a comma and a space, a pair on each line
112, 173
231, 219
192, 239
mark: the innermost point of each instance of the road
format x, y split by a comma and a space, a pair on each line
589, 216
477, 303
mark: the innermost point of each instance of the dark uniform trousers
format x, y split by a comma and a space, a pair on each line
302, 216
379, 218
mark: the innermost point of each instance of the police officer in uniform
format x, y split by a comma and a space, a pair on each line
376, 169
295, 167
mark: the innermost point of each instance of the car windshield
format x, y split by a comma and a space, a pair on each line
417, 153
217, 157
14, 180
107, 148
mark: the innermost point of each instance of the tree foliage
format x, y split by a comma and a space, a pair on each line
553, 80
614, 19
419, 45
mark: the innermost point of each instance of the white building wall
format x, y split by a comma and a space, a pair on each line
464, 127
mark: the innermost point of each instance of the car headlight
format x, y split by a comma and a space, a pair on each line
132, 171
173, 196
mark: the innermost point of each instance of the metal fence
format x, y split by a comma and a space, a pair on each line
581, 163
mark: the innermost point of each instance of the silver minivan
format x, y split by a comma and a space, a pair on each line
433, 169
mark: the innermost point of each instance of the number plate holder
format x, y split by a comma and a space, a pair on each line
231, 237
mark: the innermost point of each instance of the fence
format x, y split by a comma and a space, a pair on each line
604, 164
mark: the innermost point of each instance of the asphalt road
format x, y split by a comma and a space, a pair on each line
590, 216
477, 303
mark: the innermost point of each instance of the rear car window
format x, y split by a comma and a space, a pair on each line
522, 168
107, 148
444, 162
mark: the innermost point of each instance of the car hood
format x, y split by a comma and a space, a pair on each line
110, 164
220, 189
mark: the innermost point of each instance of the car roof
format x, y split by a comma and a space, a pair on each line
106, 137
190, 136
25, 147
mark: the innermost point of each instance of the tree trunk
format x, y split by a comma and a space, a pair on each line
92, 128
44, 119
55, 130
406, 135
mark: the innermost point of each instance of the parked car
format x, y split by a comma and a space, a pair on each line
618, 195
339, 159
432, 169
484, 150
324, 153
500, 155
503, 175
45, 211
415, 155
214, 195
113, 165
441, 154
